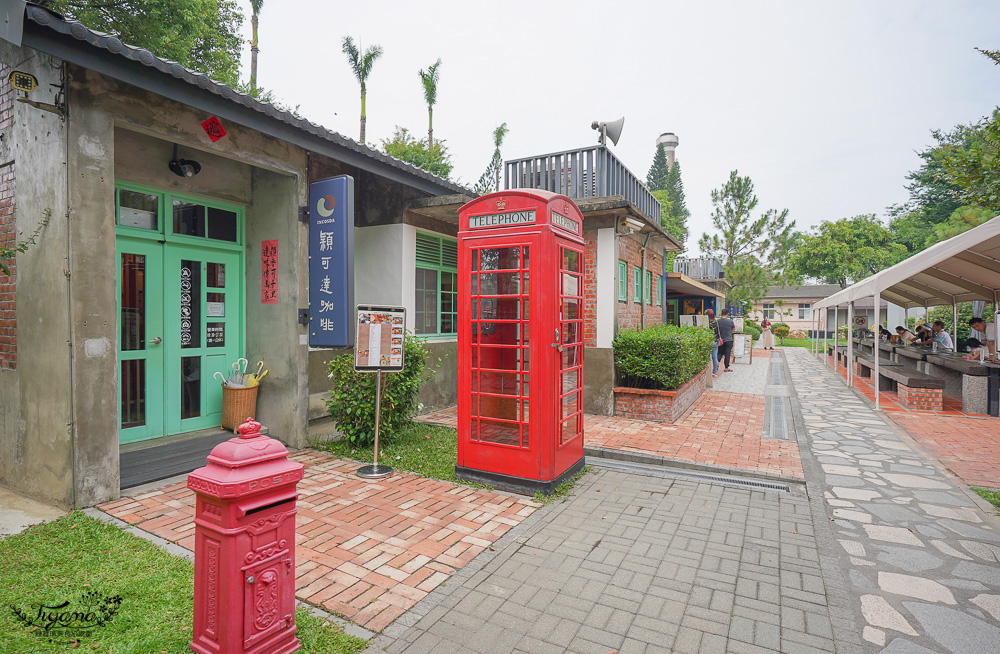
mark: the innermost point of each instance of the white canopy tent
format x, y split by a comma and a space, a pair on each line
962, 269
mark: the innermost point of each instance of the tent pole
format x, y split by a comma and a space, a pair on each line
836, 324
875, 350
954, 323
850, 343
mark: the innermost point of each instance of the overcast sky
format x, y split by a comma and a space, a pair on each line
821, 104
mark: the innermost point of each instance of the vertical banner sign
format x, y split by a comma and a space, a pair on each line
331, 262
269, 272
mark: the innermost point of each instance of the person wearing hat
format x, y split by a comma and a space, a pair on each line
925, 336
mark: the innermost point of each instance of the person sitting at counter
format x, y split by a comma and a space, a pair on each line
984, 333
903, 335
941, 337
924, 335
883, 333
976, 349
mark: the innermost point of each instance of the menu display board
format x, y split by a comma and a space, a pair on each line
379, 335
742, 345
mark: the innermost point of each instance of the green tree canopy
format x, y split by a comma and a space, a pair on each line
675, 192
656, 178
847, 250
434, 159
202, 35
489, 181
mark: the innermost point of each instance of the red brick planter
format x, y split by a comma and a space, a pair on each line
921, 399
658, 406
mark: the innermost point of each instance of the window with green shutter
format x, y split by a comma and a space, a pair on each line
436, 286
622, 281
659, 290
637, 283
649, 287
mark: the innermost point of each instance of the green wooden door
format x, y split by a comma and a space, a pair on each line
180, 290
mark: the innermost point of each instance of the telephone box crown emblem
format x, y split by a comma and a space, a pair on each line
501, 204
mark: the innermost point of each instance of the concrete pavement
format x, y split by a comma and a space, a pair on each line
17, 513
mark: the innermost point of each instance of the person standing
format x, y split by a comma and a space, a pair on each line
766, 337
713, 326
984, 333
725, 325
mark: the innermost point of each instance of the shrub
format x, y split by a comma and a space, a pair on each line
781, 332
752, 329
779, 324
352, 398
661, 357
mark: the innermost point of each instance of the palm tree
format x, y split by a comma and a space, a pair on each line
430, 81
362, 67
256, 6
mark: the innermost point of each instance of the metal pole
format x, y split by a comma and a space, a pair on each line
375, 471
850, 343
836, 327
875, 350
954, 323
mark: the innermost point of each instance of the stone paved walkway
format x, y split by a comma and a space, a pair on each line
920, 553
641, 564
969, 447
364, 550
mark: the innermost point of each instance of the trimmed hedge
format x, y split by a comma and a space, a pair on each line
661, 357
752, 329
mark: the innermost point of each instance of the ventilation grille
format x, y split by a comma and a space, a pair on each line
436, 252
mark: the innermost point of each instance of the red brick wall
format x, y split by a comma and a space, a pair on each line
590, 288
922, 399
658, 406
8, 234
630, 311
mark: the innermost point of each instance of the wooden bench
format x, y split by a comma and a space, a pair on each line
916, 390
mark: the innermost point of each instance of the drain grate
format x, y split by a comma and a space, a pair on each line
689, 475
777, 427
775, 372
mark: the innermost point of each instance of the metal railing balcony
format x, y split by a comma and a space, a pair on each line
699, 267
591, 172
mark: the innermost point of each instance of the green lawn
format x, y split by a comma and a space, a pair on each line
84, 561
426, 450
801, 342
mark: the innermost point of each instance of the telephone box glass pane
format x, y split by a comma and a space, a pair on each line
499, 383
500, 259
570, 428
570, 332
571, 309
507, 308
570, 381
570, 405
570, 284
507, 283
504, 408
504, 433
571, 260
496, 358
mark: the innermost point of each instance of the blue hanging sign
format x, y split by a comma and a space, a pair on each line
331, 262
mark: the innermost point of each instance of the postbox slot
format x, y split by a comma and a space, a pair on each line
272, 505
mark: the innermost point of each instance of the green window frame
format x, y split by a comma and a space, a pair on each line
180, 218
649, 287
436, 286
622, 281
637, 282
659, 290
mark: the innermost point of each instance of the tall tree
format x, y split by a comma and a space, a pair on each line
675, 189
668, 220
976, 170
255, 6
846, 251
434, 159
656, 178
489, 181
430, 81
361, 65
202, 35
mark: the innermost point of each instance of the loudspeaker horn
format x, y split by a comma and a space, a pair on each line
612, 130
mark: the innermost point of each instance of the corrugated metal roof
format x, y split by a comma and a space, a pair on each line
114, 45
804, 290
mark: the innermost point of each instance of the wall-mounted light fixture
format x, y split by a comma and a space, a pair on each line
184, 167
634, 224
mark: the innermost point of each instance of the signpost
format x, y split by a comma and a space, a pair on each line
331, 261
379, 335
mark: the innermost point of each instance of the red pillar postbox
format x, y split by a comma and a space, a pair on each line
520, 340
244, 556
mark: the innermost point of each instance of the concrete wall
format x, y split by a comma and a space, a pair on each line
599, 381
36, 411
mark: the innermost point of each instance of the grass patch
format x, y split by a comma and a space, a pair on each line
427, 450
75, 555
802, 342
991, 496
563, 489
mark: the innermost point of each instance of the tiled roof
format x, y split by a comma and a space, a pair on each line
114, 45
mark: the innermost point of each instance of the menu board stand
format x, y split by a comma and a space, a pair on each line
378, 346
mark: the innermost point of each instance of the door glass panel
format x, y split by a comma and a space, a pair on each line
137, 209
569, 405
504, 408
216, 277
570, 381
189, 219
507, 308
570, 309
215, 305
499, 283
496, 358
133, 392
570, 284
500, 383
133, 303
190, 304
215, 334
570, 428
222, 224
570, 332
571, 260
190, 387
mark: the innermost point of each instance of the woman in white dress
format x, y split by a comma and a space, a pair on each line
766, 338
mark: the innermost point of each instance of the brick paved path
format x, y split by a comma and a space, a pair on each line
919, 551
364, 550
639, 563
969, 447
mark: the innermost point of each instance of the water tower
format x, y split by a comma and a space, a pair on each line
669, 141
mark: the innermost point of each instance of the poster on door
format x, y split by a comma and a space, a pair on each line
379, 334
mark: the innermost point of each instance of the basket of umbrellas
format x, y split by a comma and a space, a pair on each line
239, 393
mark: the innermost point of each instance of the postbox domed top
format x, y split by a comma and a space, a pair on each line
241, 451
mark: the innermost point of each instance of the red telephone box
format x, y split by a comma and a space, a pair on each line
520, 340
